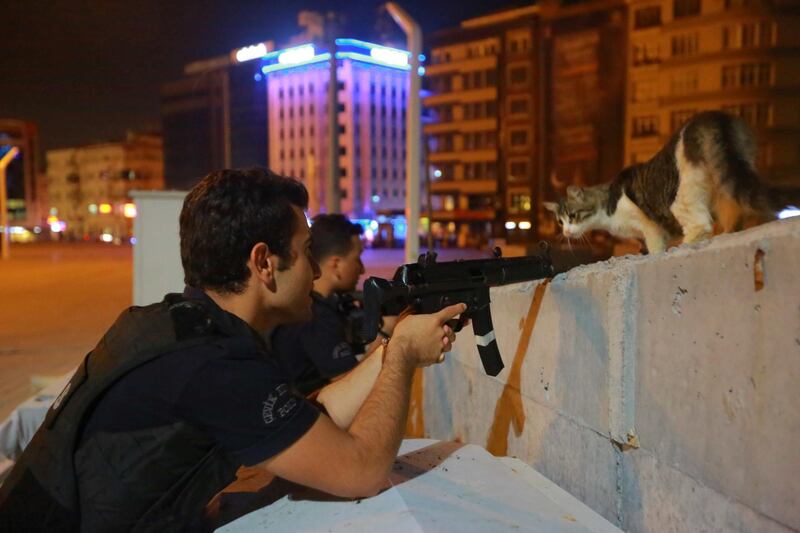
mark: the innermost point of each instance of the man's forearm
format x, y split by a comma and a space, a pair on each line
344, 397
378, 426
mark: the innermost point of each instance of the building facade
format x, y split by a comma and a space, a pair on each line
89, 186
738, 56
215, 116
372, 88
525, 102
482, 138
22, 175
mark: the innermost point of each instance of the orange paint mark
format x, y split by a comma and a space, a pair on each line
509, 409
758, 270
415, 423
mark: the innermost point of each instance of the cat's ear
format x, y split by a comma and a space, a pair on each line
575, 192
551, 206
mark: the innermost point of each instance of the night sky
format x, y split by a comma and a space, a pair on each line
88, 70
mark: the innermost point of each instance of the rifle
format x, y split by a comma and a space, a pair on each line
428, 286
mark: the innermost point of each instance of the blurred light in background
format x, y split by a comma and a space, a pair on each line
129, 210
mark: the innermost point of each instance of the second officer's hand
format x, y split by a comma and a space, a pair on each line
423, 339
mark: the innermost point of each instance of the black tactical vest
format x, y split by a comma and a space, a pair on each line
41, 492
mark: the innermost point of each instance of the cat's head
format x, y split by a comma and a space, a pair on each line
582, 210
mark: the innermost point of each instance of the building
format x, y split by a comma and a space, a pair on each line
481, 138
372, 82
739, 56
23, 191
89, 186
520, 110
583, 105
215, 117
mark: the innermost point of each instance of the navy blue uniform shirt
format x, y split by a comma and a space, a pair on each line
314, 352
243, 400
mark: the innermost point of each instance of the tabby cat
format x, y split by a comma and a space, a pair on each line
705, 173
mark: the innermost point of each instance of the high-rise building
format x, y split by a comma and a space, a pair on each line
215, 117
89, 186
739, 56
372, 86
482, 138
525, 102
22, 173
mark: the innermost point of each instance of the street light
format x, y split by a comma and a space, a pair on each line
413, 128
4, 162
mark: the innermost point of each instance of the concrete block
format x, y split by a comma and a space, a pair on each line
719, 367
693, 354
660, 498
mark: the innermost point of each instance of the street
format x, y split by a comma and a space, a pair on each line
56, 300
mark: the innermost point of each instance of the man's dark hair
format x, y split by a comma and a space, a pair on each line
228, 213
331, 235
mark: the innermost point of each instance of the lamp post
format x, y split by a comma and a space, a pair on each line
4, 162
413, 128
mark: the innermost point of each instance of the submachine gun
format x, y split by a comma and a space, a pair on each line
427, 286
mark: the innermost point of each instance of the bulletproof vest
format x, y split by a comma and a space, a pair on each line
41, 492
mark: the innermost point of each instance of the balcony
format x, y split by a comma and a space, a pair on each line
482, 186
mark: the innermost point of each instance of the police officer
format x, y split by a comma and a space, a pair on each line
330, 344
178, 395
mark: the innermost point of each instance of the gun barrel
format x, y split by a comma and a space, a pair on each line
492, 272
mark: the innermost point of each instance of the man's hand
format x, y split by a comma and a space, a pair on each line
422, 339
356, 462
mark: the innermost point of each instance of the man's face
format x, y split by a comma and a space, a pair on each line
350, 266
294, 284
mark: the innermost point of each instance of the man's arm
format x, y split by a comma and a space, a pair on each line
344, 396
356, 462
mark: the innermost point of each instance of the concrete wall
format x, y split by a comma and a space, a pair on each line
664, 392
157, 266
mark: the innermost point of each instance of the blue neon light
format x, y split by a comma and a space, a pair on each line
278, 66
367, 59
353, 49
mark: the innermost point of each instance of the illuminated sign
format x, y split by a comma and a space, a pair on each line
345, 49
251, 52
396, 58
300, 54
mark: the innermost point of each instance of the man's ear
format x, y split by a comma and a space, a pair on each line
263, 264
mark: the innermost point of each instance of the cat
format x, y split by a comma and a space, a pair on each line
705, 173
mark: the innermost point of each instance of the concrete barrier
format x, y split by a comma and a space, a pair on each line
663, 391
157, 266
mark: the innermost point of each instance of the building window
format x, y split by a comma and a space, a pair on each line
747, 75
518, 170
518, 75
645, 126
730, 4
519, 138
758, 114
519, 203
646, 54
685, 8
680, 117
647, 17
518, 105
684, 45
645, 90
